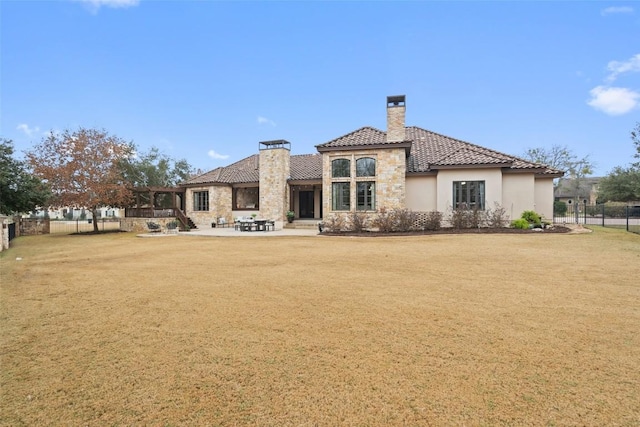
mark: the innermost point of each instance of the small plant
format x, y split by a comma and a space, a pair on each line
531, 217
520, 223
254, 215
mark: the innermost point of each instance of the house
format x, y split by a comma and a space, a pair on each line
367, 169
570, 190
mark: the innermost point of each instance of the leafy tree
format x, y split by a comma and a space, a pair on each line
81, 167
154, 169
623, 184
20, 191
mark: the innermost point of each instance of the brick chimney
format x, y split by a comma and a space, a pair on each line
395, 118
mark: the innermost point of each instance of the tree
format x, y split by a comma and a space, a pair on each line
623, 184
562, 158
154, 169
82, 170
20, 191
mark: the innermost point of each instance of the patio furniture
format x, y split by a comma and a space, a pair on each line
153, 227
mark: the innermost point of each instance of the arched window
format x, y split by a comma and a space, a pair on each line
366, 166
341, 168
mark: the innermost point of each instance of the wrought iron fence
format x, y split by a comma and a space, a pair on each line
603, 214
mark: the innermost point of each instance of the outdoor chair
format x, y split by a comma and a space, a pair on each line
222, 222
153, 227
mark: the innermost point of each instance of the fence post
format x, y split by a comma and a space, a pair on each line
626, 211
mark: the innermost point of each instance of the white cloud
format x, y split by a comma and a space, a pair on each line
621, 67
613, 101
95, 5
265, 121
616, 9
26, 129
217, 156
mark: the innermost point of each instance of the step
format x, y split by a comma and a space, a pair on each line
302, 224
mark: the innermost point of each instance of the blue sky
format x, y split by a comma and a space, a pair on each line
207, 80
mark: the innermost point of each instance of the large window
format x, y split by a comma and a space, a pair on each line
341, 168
340, 196
468, 195
366, 196
200, 200
366, 166
246, 198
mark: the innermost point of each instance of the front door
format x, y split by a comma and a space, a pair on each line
306, 204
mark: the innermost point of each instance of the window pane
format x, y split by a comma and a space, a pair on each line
340, 168
366, 196
468, 195
201, 201
366, 167
340, 196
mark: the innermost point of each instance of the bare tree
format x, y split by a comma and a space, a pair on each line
81, 168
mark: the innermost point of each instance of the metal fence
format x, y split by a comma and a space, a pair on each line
603, 214
83, 225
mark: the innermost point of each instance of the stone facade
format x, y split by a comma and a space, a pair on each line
274, 190
390, 176
395, 123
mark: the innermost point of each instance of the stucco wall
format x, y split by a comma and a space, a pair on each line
491, 177
422, 193
518, 194
544, 197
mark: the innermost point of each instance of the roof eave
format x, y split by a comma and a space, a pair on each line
406, 145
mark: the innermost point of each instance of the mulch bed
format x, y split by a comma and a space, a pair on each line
485, 230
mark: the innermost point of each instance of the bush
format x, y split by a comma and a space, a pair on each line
559, 207
405, 219
384, 221
359, 221
520, 223
531, 217
433, 221
334, 223
466, 218
496, 217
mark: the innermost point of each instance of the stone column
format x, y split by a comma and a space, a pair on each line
274, 173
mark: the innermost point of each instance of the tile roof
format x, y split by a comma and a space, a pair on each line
302, 167
429, 151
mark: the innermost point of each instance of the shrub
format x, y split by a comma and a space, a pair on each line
520, 223
531, 217
334, 223
404, 219
466, 218
359, 221
433, 221
496, 217
560, 208
384, 221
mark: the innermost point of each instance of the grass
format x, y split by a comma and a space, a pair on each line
471, 330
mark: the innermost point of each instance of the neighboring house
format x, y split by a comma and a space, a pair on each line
367, 169
569, 190
75, 213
